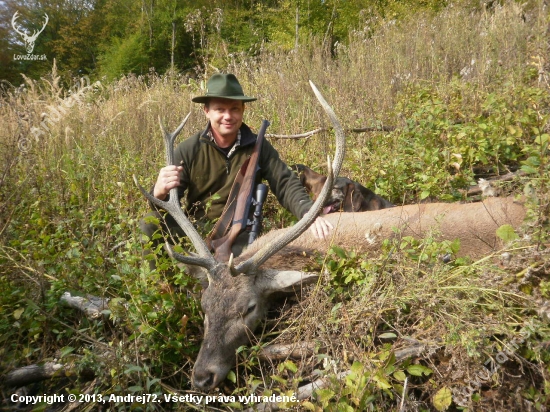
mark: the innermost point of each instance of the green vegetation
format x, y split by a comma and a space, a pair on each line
466, 91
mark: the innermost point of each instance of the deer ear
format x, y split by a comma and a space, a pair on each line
196, 272
271, 280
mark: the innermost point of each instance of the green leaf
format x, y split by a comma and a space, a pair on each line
133, 368
418, 370
387, 335
136, 388
278, 379
528, 169
344, 407
307, 406
66, 350
232, 377
443, 399
18, 312
540, 140
400, 376
357, 368
324, 395
507, 233
381, 382
339, 252
291, 366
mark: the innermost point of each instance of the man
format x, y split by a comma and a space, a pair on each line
207, 163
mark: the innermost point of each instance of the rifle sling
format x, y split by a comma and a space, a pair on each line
238, 203
224, 222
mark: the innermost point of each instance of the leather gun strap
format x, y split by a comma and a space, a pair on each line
237, 207
224, 222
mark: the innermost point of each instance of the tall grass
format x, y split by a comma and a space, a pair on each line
467, 90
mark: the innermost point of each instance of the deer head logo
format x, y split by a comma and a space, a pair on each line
28, 39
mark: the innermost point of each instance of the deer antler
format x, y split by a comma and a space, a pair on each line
15, 25
172, 206
25, 35
37, 32
252, 264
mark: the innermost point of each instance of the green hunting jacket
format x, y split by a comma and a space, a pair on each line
208, 175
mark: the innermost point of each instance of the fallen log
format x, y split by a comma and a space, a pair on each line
36, 373
484, 185
92, 306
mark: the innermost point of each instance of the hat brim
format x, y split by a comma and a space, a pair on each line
204, 99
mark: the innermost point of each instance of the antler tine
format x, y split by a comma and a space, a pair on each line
47, 19
340, 136
173, 207
14, 24
169, 138
251, 265
190, 260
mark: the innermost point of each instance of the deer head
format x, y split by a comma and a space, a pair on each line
237, 295
29, 40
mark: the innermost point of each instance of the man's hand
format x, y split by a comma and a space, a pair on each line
169, 177
321, 228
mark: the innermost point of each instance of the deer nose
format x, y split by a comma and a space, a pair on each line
205, 380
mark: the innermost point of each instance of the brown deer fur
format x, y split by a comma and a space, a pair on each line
474, 224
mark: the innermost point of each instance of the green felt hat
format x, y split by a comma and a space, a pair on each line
224, 86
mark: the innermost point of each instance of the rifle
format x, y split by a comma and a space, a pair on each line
222, 246
261, 195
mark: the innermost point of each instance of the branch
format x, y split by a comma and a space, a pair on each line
477, 190
35, 373
373, 129
92, 306
296, 136
324, 129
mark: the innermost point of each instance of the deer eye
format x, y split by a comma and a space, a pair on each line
250, 309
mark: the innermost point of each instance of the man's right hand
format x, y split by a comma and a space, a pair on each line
169, 177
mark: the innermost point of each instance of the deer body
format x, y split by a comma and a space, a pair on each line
474, 224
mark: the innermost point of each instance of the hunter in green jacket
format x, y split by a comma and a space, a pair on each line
207, 163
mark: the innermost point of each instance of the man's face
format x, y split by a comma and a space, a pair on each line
226, 117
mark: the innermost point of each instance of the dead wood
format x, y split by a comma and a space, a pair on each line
324, 129
49, 370
92, 306
36, 373
478, 189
